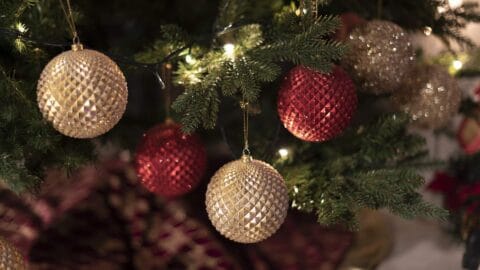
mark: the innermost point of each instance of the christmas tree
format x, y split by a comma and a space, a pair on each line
122, 121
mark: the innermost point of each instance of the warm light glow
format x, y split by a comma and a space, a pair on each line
192, 77
190, 60
441, 9
229, 49
283, 152
457, 64
427, 30
21, 27
455, 3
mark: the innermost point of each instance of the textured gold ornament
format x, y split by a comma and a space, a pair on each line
83, 93
379, 57
10, 257
247, 200
430, 96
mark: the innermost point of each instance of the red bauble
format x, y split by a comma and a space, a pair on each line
169, 162
316, 107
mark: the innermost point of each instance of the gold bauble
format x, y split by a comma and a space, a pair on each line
83, 93
10, 257
247, 200
430, 96
379, 57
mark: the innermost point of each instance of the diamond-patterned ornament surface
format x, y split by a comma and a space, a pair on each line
430, 96
169, 162
247, 200
83, 93
316, 107
10, 257
380, 55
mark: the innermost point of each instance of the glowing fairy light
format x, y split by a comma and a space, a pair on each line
453, 4
427, 30
457, 64
190, 60
21, 27
283, 152
229, 49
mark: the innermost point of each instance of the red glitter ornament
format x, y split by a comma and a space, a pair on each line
169, 162
316, 107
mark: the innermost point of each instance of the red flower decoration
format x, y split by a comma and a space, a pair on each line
447, 185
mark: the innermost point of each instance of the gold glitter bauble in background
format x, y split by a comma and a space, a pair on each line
83, 93
247, 200
10, 257
380, 55
430, 96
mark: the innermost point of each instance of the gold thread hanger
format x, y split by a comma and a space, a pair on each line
67, 10
244, 106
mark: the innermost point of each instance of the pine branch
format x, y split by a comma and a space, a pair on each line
370, 167
256, 60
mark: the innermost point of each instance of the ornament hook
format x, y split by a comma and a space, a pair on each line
244, 106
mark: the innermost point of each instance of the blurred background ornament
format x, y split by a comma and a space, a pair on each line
379, 56
83, 93
316, 107
131, 227
247, 200
350, 21
169, 162
430, 96
10, 257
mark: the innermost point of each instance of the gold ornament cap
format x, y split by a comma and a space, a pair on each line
247, 200
77, 47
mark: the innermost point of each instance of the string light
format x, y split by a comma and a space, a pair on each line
455, 3
427, 30
229, 49
190, 60
283, 152
451, 4
441, 9
21, 27
457, 64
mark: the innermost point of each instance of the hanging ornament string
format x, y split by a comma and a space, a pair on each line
379, 9
244, 106
166, 85
67, 10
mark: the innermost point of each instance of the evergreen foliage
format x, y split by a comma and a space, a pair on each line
369, 167
372, 166
28, 145
259, 51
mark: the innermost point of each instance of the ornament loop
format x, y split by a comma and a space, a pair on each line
76, 39
246, 152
